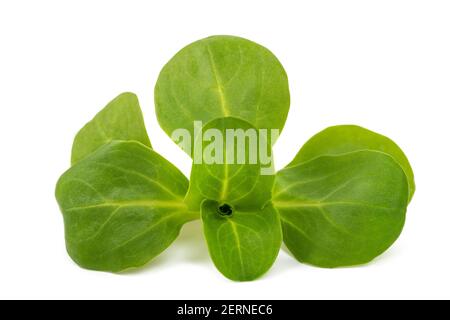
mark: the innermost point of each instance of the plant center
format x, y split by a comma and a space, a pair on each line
225, 210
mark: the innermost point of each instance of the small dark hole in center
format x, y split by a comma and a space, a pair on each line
225, 210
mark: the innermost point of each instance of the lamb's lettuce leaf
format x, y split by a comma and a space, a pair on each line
230, 172
122, 206
121, 119
242, 229
347, 138
222, 76
244, 244
341, 210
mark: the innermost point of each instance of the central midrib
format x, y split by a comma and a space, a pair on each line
133, 203
238, 245
223, 103
224, 190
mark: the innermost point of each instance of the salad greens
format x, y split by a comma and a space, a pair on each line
341, 210
122, 206
342, 201
347, 138
242, 243
243, 232
121, 119
232, 183
222, 76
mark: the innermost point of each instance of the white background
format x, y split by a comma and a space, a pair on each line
384, 65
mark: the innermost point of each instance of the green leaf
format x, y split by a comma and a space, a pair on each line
347, 138
245, 244
230, 181
341, 210
241, 227
122, 206
222, 76
121, 119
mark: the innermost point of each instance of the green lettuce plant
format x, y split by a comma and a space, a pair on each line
341, 202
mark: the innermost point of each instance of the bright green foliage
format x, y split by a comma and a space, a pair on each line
245, 242
122, 206
222, 76
121, 119
341, 202
242, 244
230, 181
347, 138
341, 210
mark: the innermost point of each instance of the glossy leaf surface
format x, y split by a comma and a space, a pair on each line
348, 138
121, 119
230, 182
341, 210
241, 227
244, 245
222, 76
122, 206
